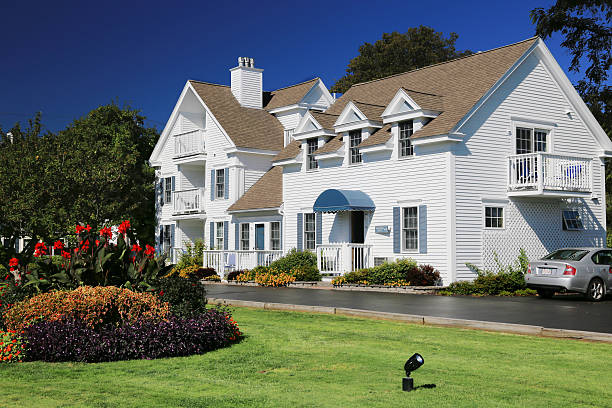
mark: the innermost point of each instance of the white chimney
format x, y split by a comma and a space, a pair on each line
247, 82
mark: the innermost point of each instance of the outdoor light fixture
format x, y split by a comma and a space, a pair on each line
411, 365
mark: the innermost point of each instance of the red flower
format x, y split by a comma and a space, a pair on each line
85, 245
58, 245
66, 254
40, 249
161, 293
124, 226
79, 229
136, 248
106, 232
150, 251
97, 242
13, 262
87, 228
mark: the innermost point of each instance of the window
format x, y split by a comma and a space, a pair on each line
168, 190
355, 140
220, 235
244, 237
410, 228
602, 258
311, 146
275, 236
309, 231
166, 239
220, 183
571, 220
494, 217
531, 140
405, 146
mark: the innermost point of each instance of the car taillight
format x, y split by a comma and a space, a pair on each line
569, 270
529, 269
610, 270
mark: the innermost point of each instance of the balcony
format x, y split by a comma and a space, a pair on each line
189, 148
337, 259
545, 174
228, 261
188, 202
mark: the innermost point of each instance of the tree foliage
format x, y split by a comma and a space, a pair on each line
395, 53
95, 171
585, 26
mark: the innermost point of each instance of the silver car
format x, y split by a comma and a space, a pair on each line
583, 270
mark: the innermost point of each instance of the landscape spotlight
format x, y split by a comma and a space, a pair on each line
411, 365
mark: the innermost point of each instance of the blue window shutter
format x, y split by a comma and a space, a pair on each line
300, 231
319, 228
225, 235
212, 185
226, 184
237, 237
422, 229
397, 245
172, 236
212, 235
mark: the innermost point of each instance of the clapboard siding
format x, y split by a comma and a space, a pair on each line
481, 173
290, 119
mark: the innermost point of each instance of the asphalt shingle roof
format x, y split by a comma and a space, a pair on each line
267, 192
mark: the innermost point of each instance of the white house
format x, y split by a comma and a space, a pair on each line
453, 163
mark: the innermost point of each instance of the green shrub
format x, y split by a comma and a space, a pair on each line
193, 255
402, 272
306, 273
295, 259
186, 296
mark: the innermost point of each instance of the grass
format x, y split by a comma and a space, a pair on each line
308, 360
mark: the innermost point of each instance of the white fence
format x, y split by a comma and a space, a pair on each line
340, 258
189, 143
227, 261
188, 201
544, 171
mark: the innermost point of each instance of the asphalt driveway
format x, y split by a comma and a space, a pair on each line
561, 312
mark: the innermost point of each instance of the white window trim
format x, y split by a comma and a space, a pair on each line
399, 149
577, 210
222, 229
493, 204
216, 183
418, 229
307, 155
240, 239
280, 240
533, 124
304, 231
348, 141
166, 201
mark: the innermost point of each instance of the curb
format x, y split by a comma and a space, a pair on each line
426, 320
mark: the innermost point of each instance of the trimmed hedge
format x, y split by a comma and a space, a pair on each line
404, 272
301, 264
74, 340
186, 296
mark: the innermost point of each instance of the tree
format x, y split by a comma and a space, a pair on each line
585, 25
93, 172
396, 53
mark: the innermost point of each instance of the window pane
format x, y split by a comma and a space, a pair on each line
494, 217
523, 141
309, 231
405, 131
355, 140
220, 184
311, 146
168, 190
539, 137
410, 225
220, 235
244, 237
275, 236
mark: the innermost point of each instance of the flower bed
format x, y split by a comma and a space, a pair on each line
12, 347
404, 272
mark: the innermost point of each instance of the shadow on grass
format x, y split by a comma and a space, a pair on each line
425, 386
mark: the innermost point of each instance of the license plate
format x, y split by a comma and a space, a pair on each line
546, 271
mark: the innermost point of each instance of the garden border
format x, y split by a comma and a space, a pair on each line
522, 329
419, 290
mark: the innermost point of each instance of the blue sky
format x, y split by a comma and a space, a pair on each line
66, 58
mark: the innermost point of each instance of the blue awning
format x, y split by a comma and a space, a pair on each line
333, 200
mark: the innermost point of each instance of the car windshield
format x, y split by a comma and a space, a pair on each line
567, 254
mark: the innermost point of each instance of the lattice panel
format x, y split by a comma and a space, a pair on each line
536, 226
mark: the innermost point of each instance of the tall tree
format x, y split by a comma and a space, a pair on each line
587, 35
93, 172
396, 53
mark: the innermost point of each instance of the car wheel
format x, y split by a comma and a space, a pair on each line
596, 290
545, 293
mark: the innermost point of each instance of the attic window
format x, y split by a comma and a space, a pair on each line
405, 131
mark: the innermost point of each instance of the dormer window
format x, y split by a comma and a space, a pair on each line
355, 140
405, 145
312, 145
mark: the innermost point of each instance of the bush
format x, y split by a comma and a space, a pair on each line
404, 272
186, 296
305, 273
95, 306
192, 271
294, 260
232, 276
509, 280
11, 293
269, 276
193, 255
12, 347
72, 339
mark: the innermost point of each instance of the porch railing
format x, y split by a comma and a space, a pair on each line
189, 143
545, 171
188, 201
338, 259
228, 261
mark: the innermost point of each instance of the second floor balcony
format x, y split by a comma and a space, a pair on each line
546, 174
189, 147
188, 201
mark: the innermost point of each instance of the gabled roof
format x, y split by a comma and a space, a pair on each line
331, 146
267, 192
324, 119
371, 111
289, 152
380, 136
247, 127
458, 84
289, 95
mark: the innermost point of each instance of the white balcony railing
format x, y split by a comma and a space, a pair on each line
338, 259
189, 143
227, 261
545, 171
188, 201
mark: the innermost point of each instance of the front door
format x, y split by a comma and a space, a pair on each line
259, 237
357, 226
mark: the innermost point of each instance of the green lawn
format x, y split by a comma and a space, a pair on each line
308, 360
